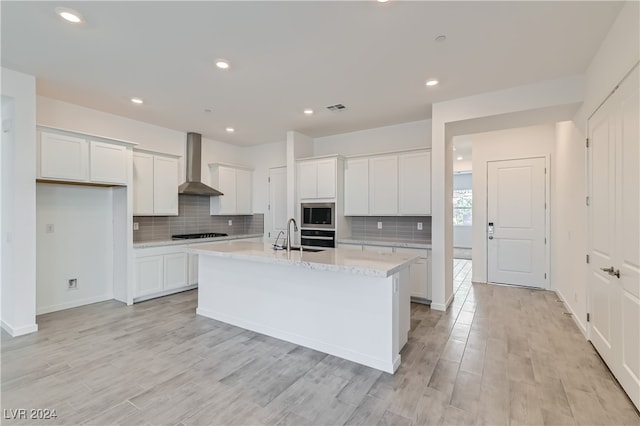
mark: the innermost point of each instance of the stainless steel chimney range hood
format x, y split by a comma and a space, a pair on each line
193, 164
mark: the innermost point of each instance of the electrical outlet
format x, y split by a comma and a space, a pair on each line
230, 222
49, 228
419, 226
136, 226
379, 225
73, 284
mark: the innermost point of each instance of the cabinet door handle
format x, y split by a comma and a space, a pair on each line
616, 273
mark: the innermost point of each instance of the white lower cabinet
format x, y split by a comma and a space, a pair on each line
420, 271
160, 271
149, 275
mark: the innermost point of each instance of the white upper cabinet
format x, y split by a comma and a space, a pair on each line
236, 184
317, 178
108, 162
414, 189
388, 185
63, 157
356, 187
155, 184
165, 186
383, 185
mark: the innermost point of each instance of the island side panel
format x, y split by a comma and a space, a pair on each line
347, 315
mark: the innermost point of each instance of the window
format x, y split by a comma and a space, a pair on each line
462, 204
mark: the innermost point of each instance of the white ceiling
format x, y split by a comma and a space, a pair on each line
287, 56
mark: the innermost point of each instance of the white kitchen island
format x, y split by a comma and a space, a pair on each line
354, 305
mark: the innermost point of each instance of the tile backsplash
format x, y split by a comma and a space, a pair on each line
399, 228
194, 216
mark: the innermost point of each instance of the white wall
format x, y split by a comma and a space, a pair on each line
504, 107
416, 134
262, 158
18, 195
533, 141
81, 245
617, 54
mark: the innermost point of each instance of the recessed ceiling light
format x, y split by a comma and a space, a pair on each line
69, 15
441, 38
230, 129
382, 1
432, 82
222, 64
459, 158
308, 111
137, 101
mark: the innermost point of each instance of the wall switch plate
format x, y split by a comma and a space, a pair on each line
136, 226
230, 222
419, 226
49, 228
379, 225
73, 284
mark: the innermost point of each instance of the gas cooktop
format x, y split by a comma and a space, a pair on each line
200, 235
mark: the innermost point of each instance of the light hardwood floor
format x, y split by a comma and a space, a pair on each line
499, 355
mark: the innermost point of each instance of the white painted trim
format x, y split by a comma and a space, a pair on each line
74, 304
441, 307
311, 343
581, 326
98, 138
19, 331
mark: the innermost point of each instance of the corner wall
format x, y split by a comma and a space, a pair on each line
81, 245
18, 195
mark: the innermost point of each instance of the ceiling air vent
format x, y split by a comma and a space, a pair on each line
336, 108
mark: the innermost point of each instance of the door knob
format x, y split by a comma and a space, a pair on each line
608, 270
616, 273
491, 237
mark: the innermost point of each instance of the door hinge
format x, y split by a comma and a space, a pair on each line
587, 142
269, 234
545, 240
588, 317
545, 275
269, 207
545, 170
587, 258
269, 179
588, 201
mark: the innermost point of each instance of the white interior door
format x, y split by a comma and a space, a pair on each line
277, 202
516, 228
614, 234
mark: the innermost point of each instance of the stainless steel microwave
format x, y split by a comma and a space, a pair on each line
318, 215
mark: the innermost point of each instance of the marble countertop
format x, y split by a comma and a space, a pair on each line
418, 244
337, 260
161, 243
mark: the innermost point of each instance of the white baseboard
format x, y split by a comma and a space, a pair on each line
19, 331
440, 306
581, 326
73, 304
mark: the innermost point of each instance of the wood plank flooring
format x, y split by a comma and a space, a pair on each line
499, 355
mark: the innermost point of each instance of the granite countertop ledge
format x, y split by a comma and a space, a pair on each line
337, 260
161, 243
417, 244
